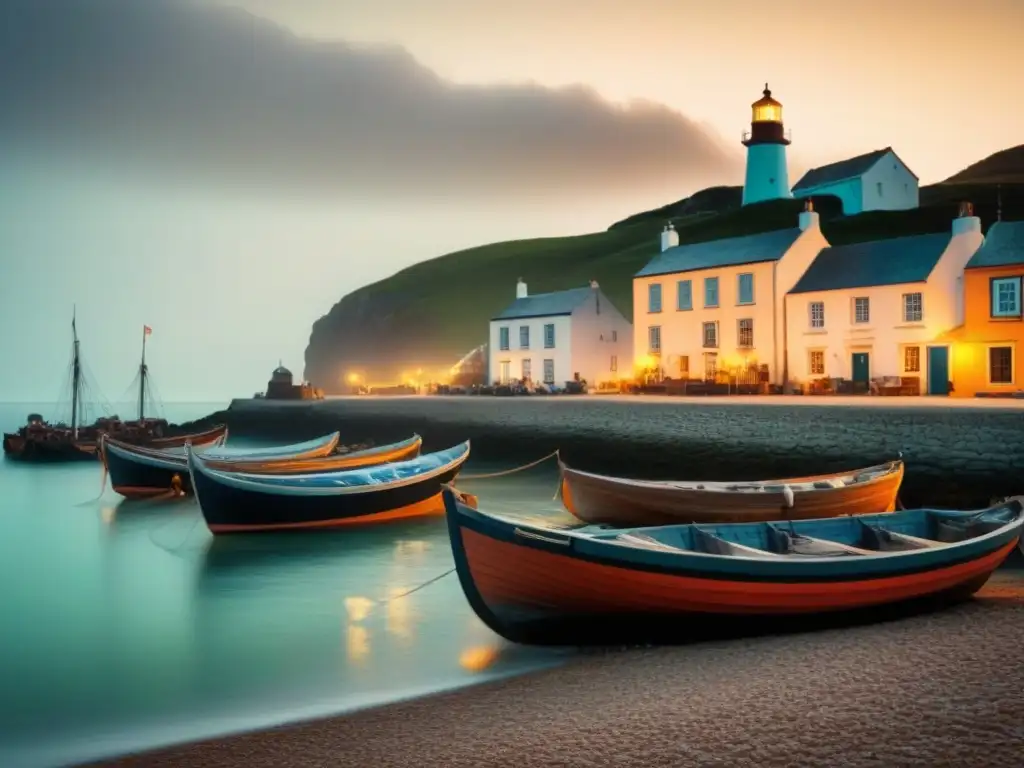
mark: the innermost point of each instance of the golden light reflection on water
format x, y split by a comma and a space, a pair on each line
107, 515
399, 619
358, 646
479, 658
358, 608
410, 548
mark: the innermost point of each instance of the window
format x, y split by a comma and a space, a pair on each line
524, 337
817, 313
710, 334
684, 295
710, 366
861, 309
816, 362
503, 338
654, 338
879, 187
654, 297
527, 369
549, 336
615, 364
912, 308
1006, 297
1000, 365
710, 291
615, 335
912, 360
745, 334
684, 366
505, 372
549, 371
745, 288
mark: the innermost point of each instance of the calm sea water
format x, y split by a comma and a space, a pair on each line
127, 626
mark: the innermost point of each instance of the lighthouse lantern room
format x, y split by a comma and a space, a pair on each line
766, 141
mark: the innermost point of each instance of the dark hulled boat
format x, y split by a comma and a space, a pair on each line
238, 502
137, 472
533, 584
621, 501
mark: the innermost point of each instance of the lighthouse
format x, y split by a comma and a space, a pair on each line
766, 142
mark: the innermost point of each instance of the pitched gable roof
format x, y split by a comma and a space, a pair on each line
850, 168
879, 262
546, 304
1004, 246
730, 252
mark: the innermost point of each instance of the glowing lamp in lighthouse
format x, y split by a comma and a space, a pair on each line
767, 172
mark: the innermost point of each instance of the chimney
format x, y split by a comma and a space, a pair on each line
669, 237
966, 221
808, 216
521, 289
594, 285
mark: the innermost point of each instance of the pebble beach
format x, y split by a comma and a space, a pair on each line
945, 688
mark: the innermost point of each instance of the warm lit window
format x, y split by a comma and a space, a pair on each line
817, 312
503, 338
767, 113
912, 308
1000, 365
710, 291
684, 366
912, 360
710, 334
861, 310
654, 338
745, 334
745, 288
817, 362
549, 336
527, 369
654, 297
1006, 300
710, 365
615, 364
524, 337
684, 295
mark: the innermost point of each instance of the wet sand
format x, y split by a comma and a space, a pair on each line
945, 688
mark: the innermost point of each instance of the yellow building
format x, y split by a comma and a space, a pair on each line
704, 307
988, 349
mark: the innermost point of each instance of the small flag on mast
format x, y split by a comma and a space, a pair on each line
146, 330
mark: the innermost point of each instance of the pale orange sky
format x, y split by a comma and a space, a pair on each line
932, 78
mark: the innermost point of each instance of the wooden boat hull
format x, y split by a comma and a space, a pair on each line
542, 586
55, 450
144, 473
234, 504
628, 503
212, 435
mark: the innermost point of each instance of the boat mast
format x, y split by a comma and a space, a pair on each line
142, 375
76, 377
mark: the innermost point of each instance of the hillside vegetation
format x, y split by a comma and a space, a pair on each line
428, 315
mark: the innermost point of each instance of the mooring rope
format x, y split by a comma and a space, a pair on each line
426, 583
489, 475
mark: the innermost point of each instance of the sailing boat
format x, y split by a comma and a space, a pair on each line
40, 440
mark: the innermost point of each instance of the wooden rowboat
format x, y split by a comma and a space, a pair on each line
234, 502
142, 473
535, 584
619, 501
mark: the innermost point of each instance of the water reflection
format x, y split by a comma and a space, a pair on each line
358, 608
478, 658
358, 645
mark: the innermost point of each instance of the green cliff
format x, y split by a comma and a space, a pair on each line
430, 314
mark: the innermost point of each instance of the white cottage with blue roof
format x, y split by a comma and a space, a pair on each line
870, 312
555, 338
874, 181
703, 309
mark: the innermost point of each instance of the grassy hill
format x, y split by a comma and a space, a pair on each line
430, 314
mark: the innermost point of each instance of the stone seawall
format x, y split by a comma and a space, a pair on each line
956, 456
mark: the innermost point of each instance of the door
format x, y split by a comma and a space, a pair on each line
505, 372
860, 368
938, 370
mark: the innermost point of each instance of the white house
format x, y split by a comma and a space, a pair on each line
559, 337
872, 310
705, 307
877, 181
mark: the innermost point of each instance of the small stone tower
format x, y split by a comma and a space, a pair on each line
766, 142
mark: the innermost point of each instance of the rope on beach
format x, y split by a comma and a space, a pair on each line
489, 475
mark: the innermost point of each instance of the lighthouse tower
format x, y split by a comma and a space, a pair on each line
766, 142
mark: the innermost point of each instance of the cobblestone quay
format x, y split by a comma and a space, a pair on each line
958, 453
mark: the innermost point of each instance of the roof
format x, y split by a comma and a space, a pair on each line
732, 251
850, 168
878, 262
1004, 246
545, 304
281, 371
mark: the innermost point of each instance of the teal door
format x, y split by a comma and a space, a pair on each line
938, 370
860, 367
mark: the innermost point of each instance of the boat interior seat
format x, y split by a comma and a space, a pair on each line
792, 544
710, 544
882, 540
646, 542
953, 531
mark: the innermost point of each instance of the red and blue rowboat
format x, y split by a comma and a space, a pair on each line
538, 584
